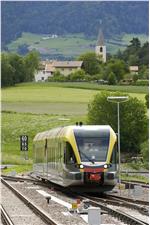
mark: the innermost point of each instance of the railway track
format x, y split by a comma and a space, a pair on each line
102, 203
108, 199
6, 177
124, 217
135, 201
5, 218
38, 211
142, 184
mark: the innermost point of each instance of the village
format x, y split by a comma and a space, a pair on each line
48, 68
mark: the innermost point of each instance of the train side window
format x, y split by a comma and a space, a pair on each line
69, 157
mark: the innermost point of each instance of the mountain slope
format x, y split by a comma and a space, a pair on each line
72, 17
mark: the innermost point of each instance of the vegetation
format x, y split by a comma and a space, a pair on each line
17, 69
147, 100
23, 167
57, 98
145, 153
133, 122
68, 46
91, 63
139, 178
16, 124
75, 17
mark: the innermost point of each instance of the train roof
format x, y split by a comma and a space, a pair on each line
63, 131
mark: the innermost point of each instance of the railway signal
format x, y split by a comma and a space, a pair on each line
24, 145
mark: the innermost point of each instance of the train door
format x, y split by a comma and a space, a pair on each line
69, 157
45, 159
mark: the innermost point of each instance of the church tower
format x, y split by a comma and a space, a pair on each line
100, 48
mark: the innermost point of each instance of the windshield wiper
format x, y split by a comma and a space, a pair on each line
90, 160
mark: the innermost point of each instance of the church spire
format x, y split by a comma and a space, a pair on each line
100, 40
100, 48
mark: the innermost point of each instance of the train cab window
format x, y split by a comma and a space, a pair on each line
69, 157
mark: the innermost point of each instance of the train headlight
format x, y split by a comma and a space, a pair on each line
81, 166
105, 166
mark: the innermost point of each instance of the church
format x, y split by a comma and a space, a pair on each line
100, 48
47, 68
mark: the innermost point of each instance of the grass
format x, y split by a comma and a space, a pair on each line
95, 86
18, 169
58, 98
135, 178
46, 93
16, 124
71, 45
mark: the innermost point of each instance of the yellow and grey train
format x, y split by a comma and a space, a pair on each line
80, 157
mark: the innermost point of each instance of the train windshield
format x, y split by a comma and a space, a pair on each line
92, 144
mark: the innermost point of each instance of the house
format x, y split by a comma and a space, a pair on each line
47, 68
67, 67
134, 69
45, 71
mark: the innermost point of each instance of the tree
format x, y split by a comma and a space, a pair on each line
135, 44
32, 64
78, 75
17, 63
147, 100
144, 72
111, 79
145, 152
135, 78
91, 63
7, 71
133, 119
144, 54
118, 67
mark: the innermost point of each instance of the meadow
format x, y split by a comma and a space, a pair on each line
71, 45
34, 107
59, 98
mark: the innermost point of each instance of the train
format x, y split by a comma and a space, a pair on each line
79, 157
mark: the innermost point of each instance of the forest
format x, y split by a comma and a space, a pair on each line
72, 17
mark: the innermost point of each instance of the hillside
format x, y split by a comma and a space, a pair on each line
66, 47
63, 18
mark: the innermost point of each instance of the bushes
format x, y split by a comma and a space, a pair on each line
142, 82
147, 100
133, 119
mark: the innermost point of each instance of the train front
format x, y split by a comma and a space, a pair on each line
98, 165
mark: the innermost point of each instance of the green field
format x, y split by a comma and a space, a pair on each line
16, 124
71, 45
57, 98
34, 107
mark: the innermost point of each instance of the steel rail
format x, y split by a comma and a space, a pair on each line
117, 202
142, 184
126, 171
6, 177
136, 201
43, 215
5, 217
116, 213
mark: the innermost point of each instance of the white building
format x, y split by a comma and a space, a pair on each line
48, 68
